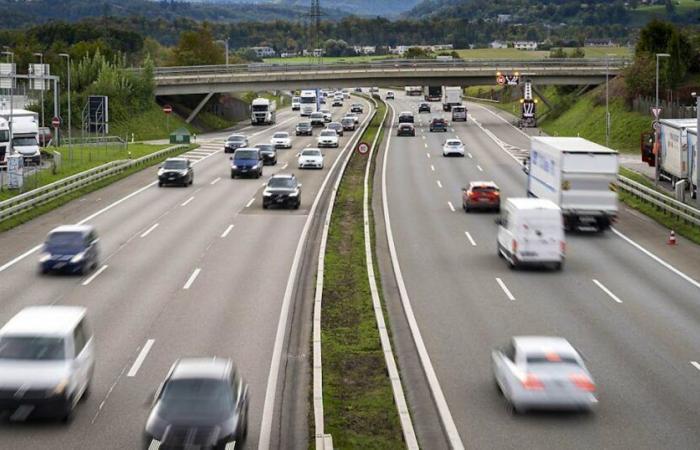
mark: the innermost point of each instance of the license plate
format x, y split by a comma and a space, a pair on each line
484, 200
279, 200
59, 265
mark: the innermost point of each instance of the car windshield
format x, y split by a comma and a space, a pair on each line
334, 125
236, 139
23, 141
65, 241
280, 135
304, 125
328, 133
485, 189
551, 359
197, 396
266, 147
281, 183
317, 115
37, 348
246, 154
438, 121
175, 165
454, 143
311, 153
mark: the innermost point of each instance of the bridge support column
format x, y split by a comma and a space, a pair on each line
539, 94
199, 107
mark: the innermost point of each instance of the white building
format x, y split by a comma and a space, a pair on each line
525, 45
264, 52
365, 49
503, 18
498, 44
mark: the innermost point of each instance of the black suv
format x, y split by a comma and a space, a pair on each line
304, 129
438, 124
406, 129
268, 153
356, 108
176, 171
282, 190
235, 141
424, 107
405, 117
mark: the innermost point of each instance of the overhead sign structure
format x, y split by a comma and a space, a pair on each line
7, 75
363, 148
39, 74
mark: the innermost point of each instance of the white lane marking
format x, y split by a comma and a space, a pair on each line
227, 231
263, 184
187, 202
428, 155
250, 202
443, 408
695, 364
469, 155
216, 180
95, 275
657, 259
439, 184
607, 291
20, 257
471, 240
505, 289
504, 120
193, 277
147, 232
479, 167
452, 207
426, 145
423, 137
285, 166
140, 358
432, 167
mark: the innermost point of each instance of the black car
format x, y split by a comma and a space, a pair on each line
406, 129
70, 249
235, 141
358, 89
282, 190
268, 153
424, 107
203, 403
176, 171
357, 108
406, 117
438, 124
304, 129
336, 126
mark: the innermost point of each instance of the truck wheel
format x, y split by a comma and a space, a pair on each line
558, 267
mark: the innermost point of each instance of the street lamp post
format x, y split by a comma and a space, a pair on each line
658, 56
225, 42
70, 148
11, 57
656, 137
43, 74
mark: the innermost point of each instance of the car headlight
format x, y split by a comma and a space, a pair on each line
77, 258
183, 172
45, 256
266, 194
255, 166
294, 194
234, 167
160, 172
60, 387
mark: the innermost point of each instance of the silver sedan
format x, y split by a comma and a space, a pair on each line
536, 372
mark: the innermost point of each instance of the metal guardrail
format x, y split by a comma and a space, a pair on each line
94, 140
660, 200
37, 197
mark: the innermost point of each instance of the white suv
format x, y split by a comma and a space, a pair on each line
310, 158
281, 140
328, 138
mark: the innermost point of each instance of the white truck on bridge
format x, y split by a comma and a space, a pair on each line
452, 97
263, 112
576, 174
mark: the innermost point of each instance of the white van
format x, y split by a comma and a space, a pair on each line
46, 361
531, 232
296, 103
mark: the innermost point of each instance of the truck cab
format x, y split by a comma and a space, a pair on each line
263, 112
25, 140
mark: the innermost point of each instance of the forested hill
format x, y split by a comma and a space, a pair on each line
385, 8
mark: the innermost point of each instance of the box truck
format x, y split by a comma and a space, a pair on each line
577, 175
675, 158
452, 97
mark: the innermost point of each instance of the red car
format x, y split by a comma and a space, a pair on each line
481, 195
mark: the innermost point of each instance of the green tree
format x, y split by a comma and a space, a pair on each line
197, 48
654, 37
416, 53
557, 52
676, 68
640, 77
578, 52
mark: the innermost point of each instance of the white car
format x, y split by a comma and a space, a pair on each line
542, 372
281, 140
310, 158
354, 117
328, 138
390, 95
327, 116
453, 147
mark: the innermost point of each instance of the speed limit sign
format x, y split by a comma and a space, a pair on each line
363, 148
501, 80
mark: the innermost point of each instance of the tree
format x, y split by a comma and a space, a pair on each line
197, 48
670, 8
557, 52
677, 66
416, 53
654, 37
578, 52
640, 77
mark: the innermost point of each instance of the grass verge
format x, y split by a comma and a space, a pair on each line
46, 207
357, 396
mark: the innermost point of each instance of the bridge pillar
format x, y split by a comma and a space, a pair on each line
199, 107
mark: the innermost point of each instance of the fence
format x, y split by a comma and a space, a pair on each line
669, 110
661, 201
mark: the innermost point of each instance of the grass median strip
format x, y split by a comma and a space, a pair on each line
358, 401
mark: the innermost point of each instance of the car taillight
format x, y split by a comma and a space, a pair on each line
531, 383
473, 195
582, 382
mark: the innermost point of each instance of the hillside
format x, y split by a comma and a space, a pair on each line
386, 8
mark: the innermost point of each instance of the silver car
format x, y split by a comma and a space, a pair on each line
538, 372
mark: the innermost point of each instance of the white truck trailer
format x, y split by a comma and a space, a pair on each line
577, 175
675, 158
452, 96
263, 112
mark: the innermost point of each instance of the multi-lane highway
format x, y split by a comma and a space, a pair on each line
634, 320
199, 271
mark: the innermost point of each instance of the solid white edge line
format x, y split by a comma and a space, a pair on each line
438, 396
607, 291
250, 202
95, 275
147, 232
656, 258
695, 364
469, 155
452, 207
276, 360
140, 358
505, 289
471, 240
216, 180
502, 119
227, 231
192, 277
187, 202
409, 434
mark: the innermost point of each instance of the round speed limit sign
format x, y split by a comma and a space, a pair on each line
363, 148
501, 80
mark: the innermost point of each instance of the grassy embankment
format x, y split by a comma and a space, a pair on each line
358, 402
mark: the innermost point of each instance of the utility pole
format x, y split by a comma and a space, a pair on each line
11, 57
315, 30
70, 143
43, 74
225, 42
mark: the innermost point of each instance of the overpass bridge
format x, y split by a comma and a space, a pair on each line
261, 77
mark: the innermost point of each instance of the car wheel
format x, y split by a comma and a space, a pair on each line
558, 267
160, 184
466, 208
298, 204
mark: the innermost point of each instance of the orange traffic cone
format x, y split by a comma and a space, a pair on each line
672, 238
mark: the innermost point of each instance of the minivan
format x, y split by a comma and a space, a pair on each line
531, 232
247, 161
70, 249
47, 360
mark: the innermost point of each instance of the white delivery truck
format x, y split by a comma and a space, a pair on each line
674, 148
459, 113
263, 112
693, 162
308, 102
452, 97
413, 90
576, 174
296, 103
25, 134
530, 232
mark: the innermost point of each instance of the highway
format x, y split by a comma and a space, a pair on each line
199, 271
635, 321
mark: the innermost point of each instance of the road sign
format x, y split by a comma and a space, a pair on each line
363, 148
501, 80
656, 111
167, 109
56, 122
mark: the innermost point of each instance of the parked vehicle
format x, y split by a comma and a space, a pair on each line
176, 171
47, 360
70, 249
263, 112
406, 129
452, 97
304, 129
268, 153
676, 151
453, 147
25, 135
247, 161
438, 124
530, 232
310, 158
235, 141
575, 174
4, 141
45, 136
481, 195
282, 190
459, 113
281, 139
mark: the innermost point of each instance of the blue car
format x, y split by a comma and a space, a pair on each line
247, 162
70, 249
